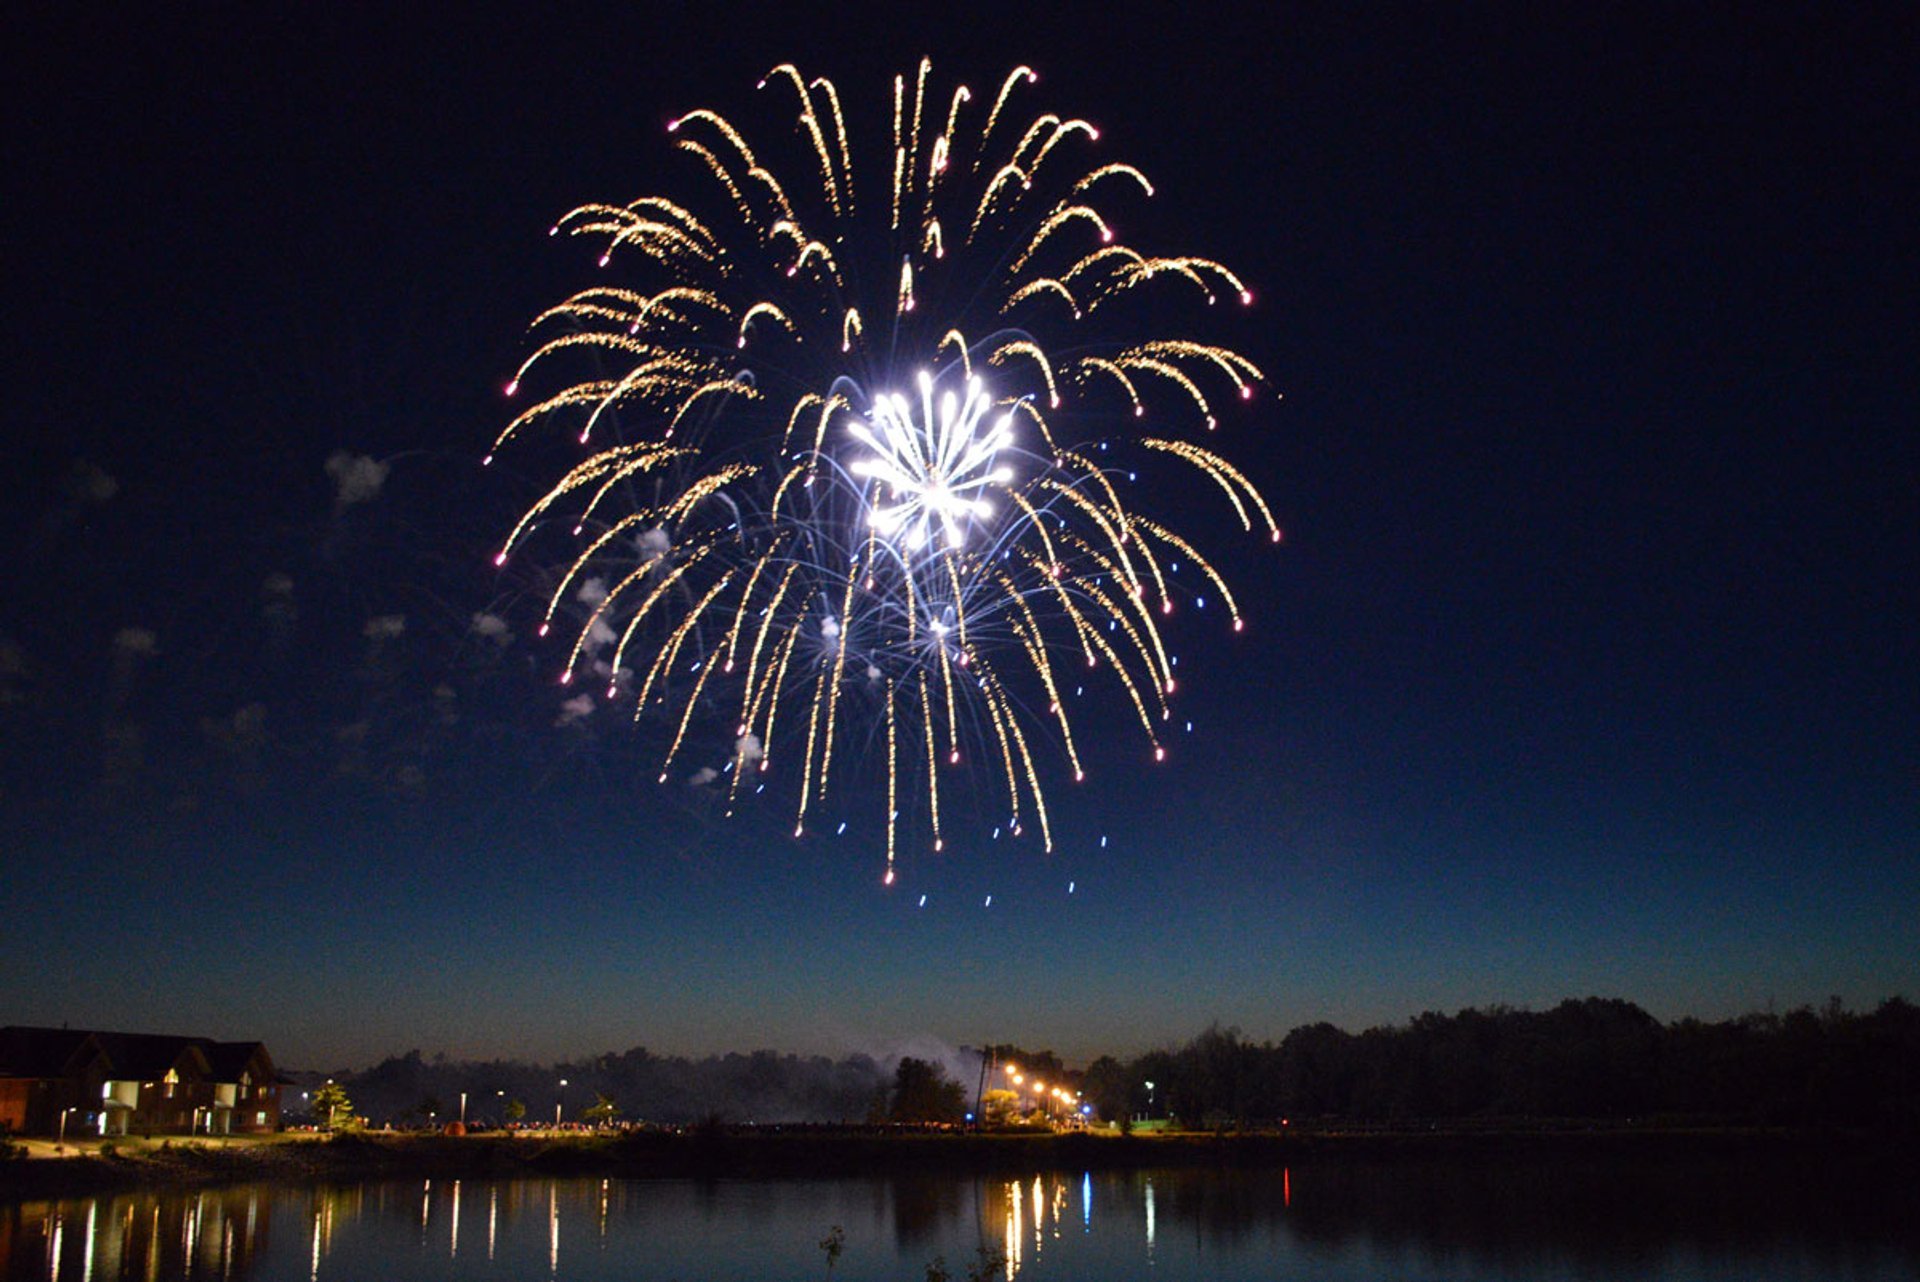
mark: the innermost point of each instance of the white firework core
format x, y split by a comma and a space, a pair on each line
934, 468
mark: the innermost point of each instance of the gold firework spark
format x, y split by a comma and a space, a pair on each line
818, 527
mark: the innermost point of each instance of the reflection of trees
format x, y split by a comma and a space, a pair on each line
1566, 1210
926, 1207
1526, 1215
205, 1234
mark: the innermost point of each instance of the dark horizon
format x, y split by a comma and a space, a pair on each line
1586, 664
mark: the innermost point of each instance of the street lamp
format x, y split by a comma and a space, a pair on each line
559, 1100
463, 1108
1149, 1099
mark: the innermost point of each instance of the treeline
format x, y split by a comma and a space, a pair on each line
1597, 1058
640, 1086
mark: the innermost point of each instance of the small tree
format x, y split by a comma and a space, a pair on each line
332, 1110
922, 1092
600, 1112
515, 1110
1000, 1106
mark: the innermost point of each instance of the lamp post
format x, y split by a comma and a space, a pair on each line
463, 1108
1149, 1099
559, 1100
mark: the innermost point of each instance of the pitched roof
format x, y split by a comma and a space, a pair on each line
227, 1060
40, 1052
63, 1052
152, 1055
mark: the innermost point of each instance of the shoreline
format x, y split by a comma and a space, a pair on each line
793, 1152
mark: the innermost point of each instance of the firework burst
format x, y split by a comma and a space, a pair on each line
836, 485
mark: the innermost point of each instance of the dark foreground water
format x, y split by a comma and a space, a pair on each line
1327, 1222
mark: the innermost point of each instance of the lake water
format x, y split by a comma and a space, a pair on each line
1329, 1222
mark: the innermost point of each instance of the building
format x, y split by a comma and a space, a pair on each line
60, 1082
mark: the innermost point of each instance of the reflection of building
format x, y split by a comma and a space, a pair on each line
202, 1234
58, 1081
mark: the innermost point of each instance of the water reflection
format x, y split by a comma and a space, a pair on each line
1330, 1220
204, 1234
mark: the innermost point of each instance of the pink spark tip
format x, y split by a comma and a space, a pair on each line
1139, 411
606, 258
1169, 685
953, 758
513, 387
1246, 393
1079, 776
742, 342
1246, 298
1159, 754
1053, 402
545, 628
1106, 237
612, 690
728, 667
938, 845
798, 829
566, 678
673, 126
499, 559
888, 879
583, 436
1166, 607
487, 461
1239, 625
576, 531
1276, 536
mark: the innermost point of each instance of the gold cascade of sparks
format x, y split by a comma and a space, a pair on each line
744, 571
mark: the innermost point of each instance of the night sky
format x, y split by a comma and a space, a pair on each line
1588, 665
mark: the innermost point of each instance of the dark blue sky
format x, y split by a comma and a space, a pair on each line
1587, 666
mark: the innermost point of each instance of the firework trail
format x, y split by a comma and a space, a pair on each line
831, 487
